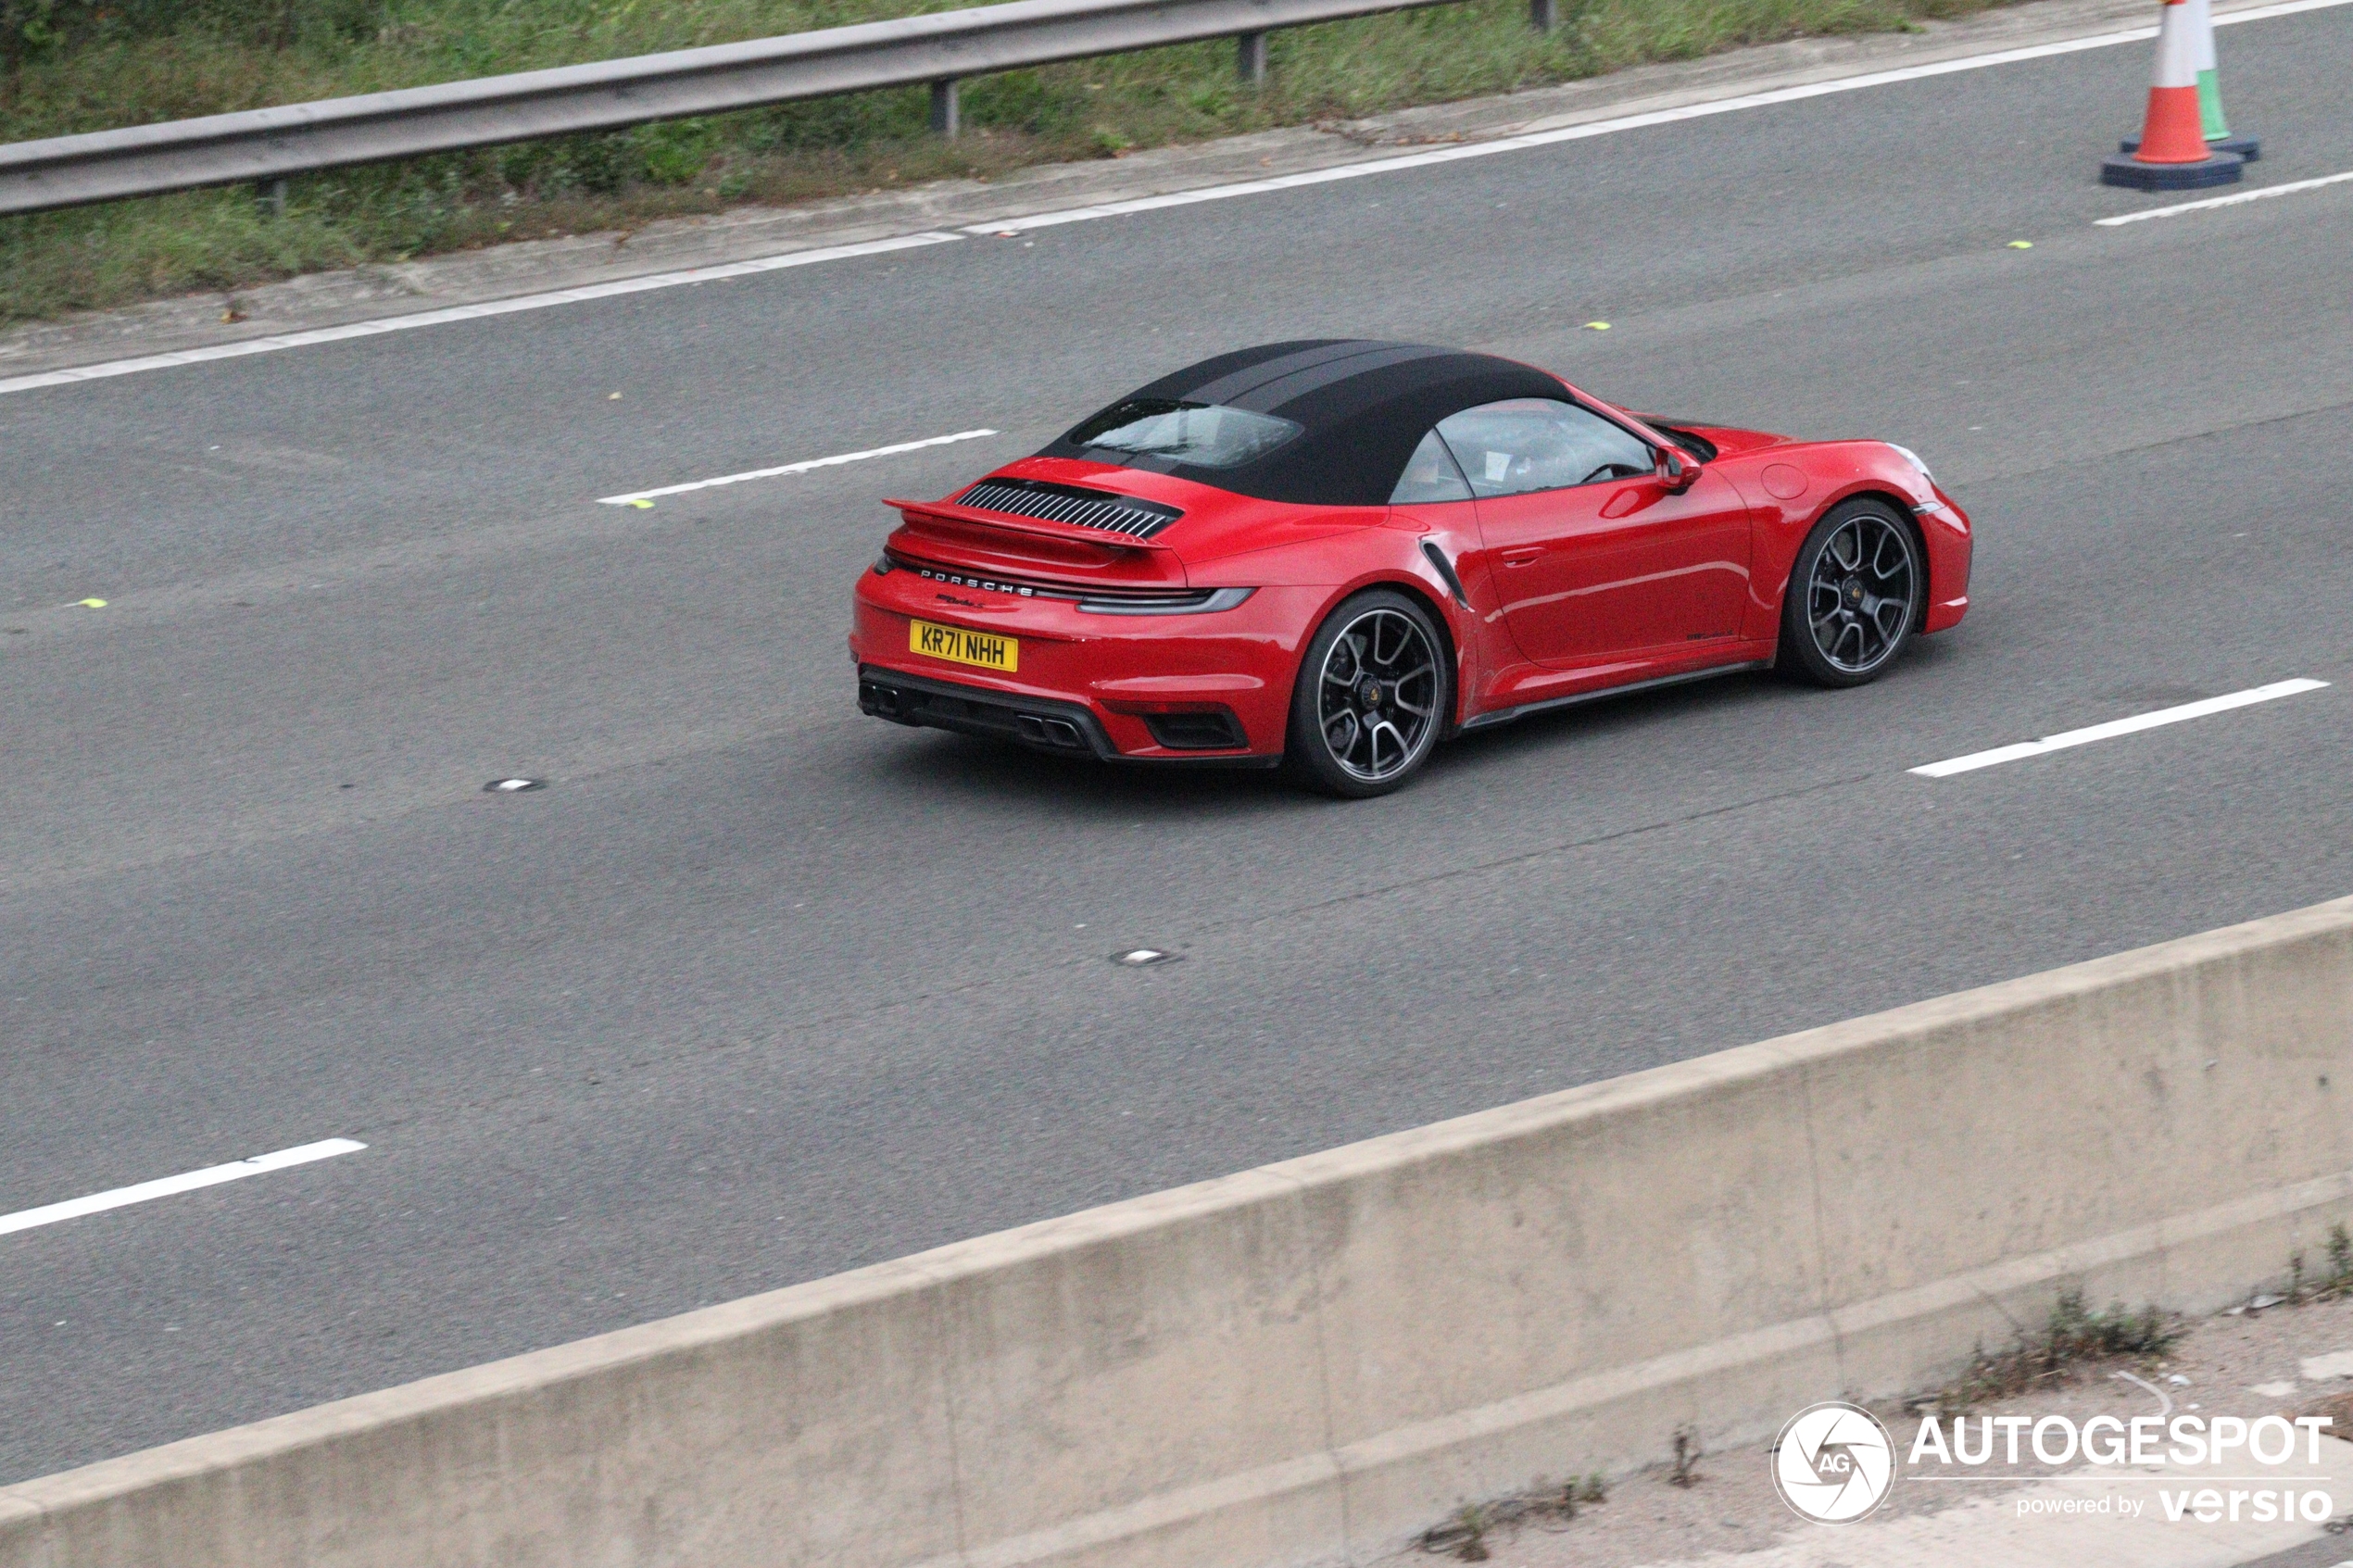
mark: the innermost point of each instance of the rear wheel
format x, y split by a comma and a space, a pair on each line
1371, 697
1854, 597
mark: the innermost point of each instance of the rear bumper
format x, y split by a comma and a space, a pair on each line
1046, 724
1191, 688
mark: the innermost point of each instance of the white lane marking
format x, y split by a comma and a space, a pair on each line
2289, 8
2231, 200
1107, 210
2115, 727
802, 467
469, 312
211, 1176
1623, 122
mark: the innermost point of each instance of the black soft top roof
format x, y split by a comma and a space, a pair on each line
1365, 405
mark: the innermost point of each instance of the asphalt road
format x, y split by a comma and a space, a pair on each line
759, 989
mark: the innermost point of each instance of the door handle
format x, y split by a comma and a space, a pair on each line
1523, 555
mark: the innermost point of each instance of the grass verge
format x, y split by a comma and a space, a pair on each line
143, 60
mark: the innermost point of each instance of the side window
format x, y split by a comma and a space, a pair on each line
1528, 444
1430, 475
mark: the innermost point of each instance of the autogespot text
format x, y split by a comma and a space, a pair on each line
2185, 1443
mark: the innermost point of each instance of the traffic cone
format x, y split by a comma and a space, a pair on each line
2173, 154
2216, 128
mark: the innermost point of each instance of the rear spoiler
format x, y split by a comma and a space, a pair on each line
949, 511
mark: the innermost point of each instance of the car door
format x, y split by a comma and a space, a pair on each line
1593, 558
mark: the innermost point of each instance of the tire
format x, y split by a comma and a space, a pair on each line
1853, 596
1371, 698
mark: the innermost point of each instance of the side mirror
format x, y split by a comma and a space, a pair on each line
1678, 471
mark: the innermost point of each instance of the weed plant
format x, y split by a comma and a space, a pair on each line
2304, 1287
2073, 1337
1547, 1506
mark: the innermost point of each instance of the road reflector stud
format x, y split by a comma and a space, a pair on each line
512, 786
1143, 957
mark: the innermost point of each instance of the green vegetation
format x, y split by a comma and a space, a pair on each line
69, 66
2337, 1282
1547, 1506
2075, 1337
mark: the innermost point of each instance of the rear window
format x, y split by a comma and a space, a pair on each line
1203, 434
1431, 474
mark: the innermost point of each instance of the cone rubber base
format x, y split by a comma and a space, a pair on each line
2221, 169
2248, 147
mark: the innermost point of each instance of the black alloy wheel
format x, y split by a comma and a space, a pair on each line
1371, 697
1855, 595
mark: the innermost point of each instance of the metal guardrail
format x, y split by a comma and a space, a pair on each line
266, 145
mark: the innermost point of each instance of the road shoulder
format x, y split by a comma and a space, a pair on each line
375, 293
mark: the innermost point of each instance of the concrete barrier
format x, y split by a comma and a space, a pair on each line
1306, 1362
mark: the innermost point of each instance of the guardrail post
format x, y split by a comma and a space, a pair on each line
1542, 15
946, 115
1250, 59
271, 195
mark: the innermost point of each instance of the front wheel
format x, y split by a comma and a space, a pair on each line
1370, 698
1855, 595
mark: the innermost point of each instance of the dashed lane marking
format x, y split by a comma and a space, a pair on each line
2234, 199
2114, 728
637, 498
211, 1176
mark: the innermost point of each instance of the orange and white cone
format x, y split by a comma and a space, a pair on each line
2173, 154
2209, 92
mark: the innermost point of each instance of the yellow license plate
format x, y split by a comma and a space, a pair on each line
984, 648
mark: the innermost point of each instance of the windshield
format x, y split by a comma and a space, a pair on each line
1206, 436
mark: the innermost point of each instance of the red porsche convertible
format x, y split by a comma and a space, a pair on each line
1337, 554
